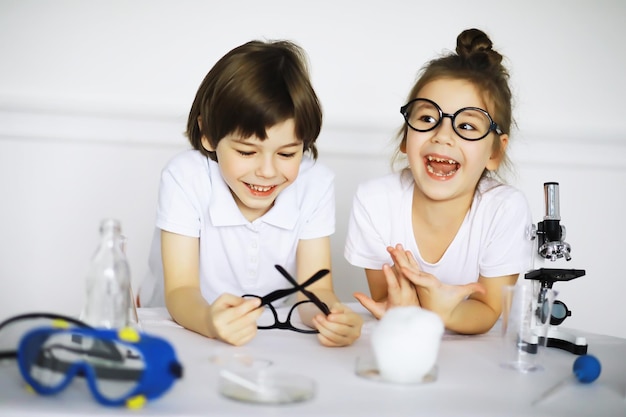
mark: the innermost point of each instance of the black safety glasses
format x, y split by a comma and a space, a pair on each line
274, 322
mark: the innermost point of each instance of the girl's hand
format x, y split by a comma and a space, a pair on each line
377, 308
433, 294
400, 292
232, 319
340, 328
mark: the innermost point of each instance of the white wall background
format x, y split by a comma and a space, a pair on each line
94, 94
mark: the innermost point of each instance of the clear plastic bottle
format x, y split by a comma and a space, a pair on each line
108, 281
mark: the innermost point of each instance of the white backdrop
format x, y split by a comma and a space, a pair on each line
93, 99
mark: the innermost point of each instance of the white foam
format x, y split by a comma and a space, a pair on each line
406, 343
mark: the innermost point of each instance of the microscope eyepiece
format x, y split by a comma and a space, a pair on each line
551, 194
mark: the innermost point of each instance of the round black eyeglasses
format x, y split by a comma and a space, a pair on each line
470, 123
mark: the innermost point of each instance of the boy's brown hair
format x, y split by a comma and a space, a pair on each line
252, 88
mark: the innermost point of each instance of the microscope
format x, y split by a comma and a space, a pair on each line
551, 246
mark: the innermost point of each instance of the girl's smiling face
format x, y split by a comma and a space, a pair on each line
255, 170
444, 165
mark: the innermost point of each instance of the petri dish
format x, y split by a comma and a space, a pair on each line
265, 386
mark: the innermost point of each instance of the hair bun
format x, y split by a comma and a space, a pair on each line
475, 48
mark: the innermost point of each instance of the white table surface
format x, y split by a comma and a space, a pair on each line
470, 381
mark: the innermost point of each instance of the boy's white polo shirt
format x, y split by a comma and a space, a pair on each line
237, 256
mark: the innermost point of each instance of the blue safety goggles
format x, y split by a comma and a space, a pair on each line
122, 367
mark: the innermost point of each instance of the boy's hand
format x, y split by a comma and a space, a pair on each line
340, 328
232, 319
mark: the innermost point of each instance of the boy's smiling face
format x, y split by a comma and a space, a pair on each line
255, 170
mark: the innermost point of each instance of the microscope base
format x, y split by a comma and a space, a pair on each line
566, 341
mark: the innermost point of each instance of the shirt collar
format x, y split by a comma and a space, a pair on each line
223, 209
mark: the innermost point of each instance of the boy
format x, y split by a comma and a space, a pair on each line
249, 196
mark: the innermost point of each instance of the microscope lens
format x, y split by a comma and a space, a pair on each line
559, 312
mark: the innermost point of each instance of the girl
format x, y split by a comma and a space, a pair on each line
454, 234
249, 196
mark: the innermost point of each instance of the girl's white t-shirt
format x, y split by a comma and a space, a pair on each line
492, 240
237, 256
